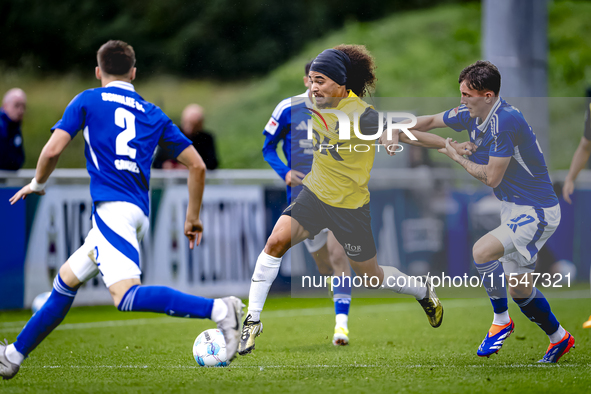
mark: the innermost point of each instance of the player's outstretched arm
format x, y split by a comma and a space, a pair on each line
196, 182
577, 164
490, 174
429, 122
45, 165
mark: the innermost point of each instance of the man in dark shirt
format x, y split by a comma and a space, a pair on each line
12, 154
192, 127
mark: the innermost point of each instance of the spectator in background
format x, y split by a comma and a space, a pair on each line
578, 162
192, 127
12, 154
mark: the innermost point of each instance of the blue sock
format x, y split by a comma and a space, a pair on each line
494, 287
47, 318
537, 309
162, 299
342, 296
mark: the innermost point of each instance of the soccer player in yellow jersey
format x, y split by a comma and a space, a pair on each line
335, 194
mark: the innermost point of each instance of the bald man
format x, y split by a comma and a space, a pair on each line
192, 126
12, 154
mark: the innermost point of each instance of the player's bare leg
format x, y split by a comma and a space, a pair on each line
392, 279
287, 232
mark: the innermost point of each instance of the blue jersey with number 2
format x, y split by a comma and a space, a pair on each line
121, 131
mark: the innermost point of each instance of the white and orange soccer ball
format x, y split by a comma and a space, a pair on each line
209, 349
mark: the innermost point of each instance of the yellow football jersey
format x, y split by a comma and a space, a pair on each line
341, 167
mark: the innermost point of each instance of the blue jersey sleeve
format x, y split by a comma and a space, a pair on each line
274, 132
173, 141
457, 118
74, 116
503, 145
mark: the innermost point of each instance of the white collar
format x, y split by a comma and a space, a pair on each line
494, 108
121, 85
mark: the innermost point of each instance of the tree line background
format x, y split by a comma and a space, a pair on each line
219, 38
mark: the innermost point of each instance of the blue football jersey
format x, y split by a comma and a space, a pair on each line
121, 131
505, 133
289, 123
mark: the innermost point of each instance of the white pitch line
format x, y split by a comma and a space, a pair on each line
262, 367
394, 307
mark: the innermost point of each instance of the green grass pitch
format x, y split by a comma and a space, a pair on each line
393, 349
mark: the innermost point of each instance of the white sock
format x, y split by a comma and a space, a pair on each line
13, 355
558, 335
219, 310
342, 320
501, 319
265, 272
404, 285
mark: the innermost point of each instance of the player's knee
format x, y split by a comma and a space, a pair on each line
520, 292
277, 245
68, 276
338, 257
480, 253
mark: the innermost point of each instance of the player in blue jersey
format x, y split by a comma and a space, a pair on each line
289, 124
121, 131
508, 159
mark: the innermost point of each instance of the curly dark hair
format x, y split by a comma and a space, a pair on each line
482, 75
361, 79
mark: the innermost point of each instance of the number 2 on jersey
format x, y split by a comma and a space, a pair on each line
125, 120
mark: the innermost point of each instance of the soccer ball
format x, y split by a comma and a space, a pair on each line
39, 301
209, 349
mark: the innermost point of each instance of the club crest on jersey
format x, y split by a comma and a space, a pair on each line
453, 112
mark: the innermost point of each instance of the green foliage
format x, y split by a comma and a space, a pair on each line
222, 38
418, 53
393, 349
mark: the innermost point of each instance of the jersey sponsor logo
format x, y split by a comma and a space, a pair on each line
271, 126
307, 146
127, 165
125, 100
325, 146
352, 250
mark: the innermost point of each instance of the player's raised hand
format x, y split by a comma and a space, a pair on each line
294, 178
389, 144
193, 231
23, 193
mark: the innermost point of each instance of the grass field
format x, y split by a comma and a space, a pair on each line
393, 349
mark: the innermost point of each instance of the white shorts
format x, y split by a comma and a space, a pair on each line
523, 231
315, 244
112, 245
